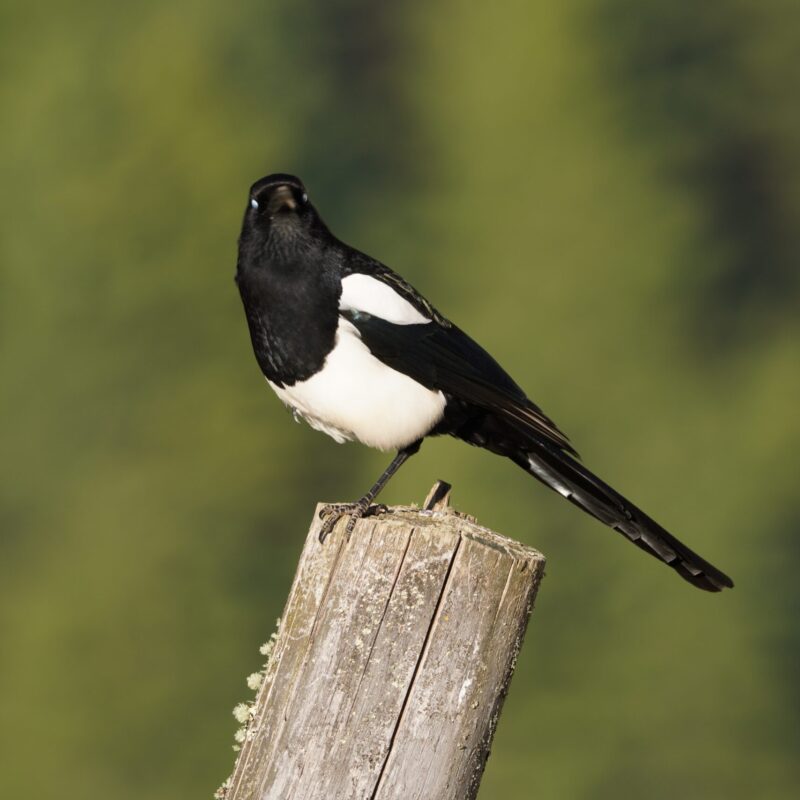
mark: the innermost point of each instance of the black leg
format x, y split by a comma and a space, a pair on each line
361, 508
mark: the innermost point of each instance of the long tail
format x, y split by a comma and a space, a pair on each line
573, 481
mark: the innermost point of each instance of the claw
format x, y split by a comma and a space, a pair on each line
335, 509
333, 512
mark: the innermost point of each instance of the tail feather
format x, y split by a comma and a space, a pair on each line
581, 487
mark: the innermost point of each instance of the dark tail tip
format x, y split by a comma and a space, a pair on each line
690, 566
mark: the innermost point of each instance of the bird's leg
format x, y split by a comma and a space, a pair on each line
361, 508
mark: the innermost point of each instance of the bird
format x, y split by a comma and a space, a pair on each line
353, 349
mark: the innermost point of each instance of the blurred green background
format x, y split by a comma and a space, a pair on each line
605, 193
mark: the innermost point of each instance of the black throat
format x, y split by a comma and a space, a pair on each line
290, 285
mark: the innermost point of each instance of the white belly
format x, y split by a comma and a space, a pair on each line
356, 396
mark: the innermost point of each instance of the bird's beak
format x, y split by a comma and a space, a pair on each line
281, 198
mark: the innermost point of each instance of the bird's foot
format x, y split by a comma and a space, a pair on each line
333, 512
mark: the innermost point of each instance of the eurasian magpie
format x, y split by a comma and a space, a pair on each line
358, 353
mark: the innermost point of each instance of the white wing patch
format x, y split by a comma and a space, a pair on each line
368, 294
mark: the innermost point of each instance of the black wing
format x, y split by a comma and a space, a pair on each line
445, 358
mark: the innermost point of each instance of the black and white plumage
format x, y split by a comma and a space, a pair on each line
359, 354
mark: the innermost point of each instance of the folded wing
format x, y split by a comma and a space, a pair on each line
445, 358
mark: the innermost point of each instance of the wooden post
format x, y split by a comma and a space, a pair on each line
391, 663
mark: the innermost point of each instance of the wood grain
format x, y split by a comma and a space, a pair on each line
392, 661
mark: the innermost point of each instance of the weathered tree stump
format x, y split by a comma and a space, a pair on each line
392, 661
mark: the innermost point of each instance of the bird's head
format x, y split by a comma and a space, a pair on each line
279, 210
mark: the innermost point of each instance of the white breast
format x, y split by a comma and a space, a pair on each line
356, 396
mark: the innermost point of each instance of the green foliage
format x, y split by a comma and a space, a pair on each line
604, 193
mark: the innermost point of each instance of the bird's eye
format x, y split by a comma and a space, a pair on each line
253, 203
304, 198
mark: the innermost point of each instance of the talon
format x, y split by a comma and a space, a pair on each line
333, 512
333, 508
324, 533
330, 514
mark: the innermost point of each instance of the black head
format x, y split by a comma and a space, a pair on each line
279, 208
